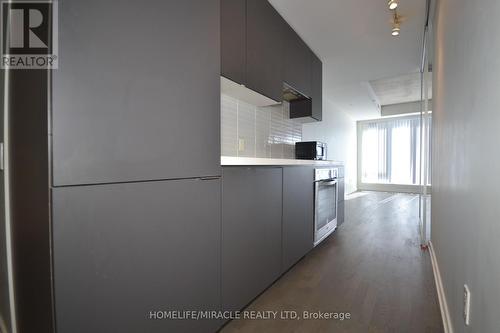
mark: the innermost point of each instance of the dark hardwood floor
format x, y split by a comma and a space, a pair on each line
371, 267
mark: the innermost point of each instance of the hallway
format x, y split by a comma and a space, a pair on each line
372, 265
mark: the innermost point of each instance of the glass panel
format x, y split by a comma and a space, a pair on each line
391, 151
326, 210
425, 158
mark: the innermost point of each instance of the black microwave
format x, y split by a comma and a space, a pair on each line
310, 150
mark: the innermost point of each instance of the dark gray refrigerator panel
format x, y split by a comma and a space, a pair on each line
298, 213
137, 92
123, 250
5, 311
28, 198
251, 233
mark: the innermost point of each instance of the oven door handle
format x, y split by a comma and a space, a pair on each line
328, 182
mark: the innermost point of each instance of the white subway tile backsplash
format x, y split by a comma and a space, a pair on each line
252, 131
246, 130
262, 132
229, 126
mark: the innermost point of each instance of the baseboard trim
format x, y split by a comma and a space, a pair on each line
397, 188
445, 314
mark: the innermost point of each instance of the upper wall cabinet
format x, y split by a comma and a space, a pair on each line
265, 45
297, 69
261, 51
311, 110
233, 40
316, 88
136, 95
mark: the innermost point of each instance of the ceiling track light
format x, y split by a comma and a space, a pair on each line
395, 31
396, 25
393, 4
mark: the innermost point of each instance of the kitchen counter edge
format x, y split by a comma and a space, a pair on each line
254, 161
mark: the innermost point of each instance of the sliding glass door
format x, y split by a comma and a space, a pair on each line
426, 131
390, 151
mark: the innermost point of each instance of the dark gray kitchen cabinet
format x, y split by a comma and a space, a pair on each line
316, 87
341, 205
341, 171
233, 40
297, 68
341, 183
340, 213
311, 109
137, 92
265, 48
298, 213
123, 250
251, 232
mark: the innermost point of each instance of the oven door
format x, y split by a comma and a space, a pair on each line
325, 210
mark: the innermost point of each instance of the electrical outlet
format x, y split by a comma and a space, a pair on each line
466, 305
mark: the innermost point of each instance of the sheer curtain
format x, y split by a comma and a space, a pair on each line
390, 151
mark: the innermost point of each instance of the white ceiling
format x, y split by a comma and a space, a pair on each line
400, 89
353, 39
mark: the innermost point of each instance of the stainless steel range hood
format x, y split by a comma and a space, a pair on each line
290, 94
300, 105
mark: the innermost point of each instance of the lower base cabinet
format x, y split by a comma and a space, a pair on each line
340, 211
298, 214
251, 233
125, 253
124, 250
340, 214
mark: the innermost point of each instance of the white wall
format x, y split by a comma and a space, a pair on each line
338, 130
466, 165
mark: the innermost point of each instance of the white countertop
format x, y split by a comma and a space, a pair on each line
240, 161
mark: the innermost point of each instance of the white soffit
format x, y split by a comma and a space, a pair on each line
400, 89
403, 108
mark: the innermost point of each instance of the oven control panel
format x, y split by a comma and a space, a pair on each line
326, 173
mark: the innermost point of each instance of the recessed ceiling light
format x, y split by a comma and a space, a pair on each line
393, 4
395, 31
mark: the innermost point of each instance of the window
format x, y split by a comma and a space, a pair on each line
390, 151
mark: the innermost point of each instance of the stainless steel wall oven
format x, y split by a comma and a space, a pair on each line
326, 198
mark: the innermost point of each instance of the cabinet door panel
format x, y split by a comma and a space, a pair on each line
297, 69
251, 233
123, 250
341, 189
341, 171
298, 213
233, 40
137, 92
317, 87
265, 47
340, 213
